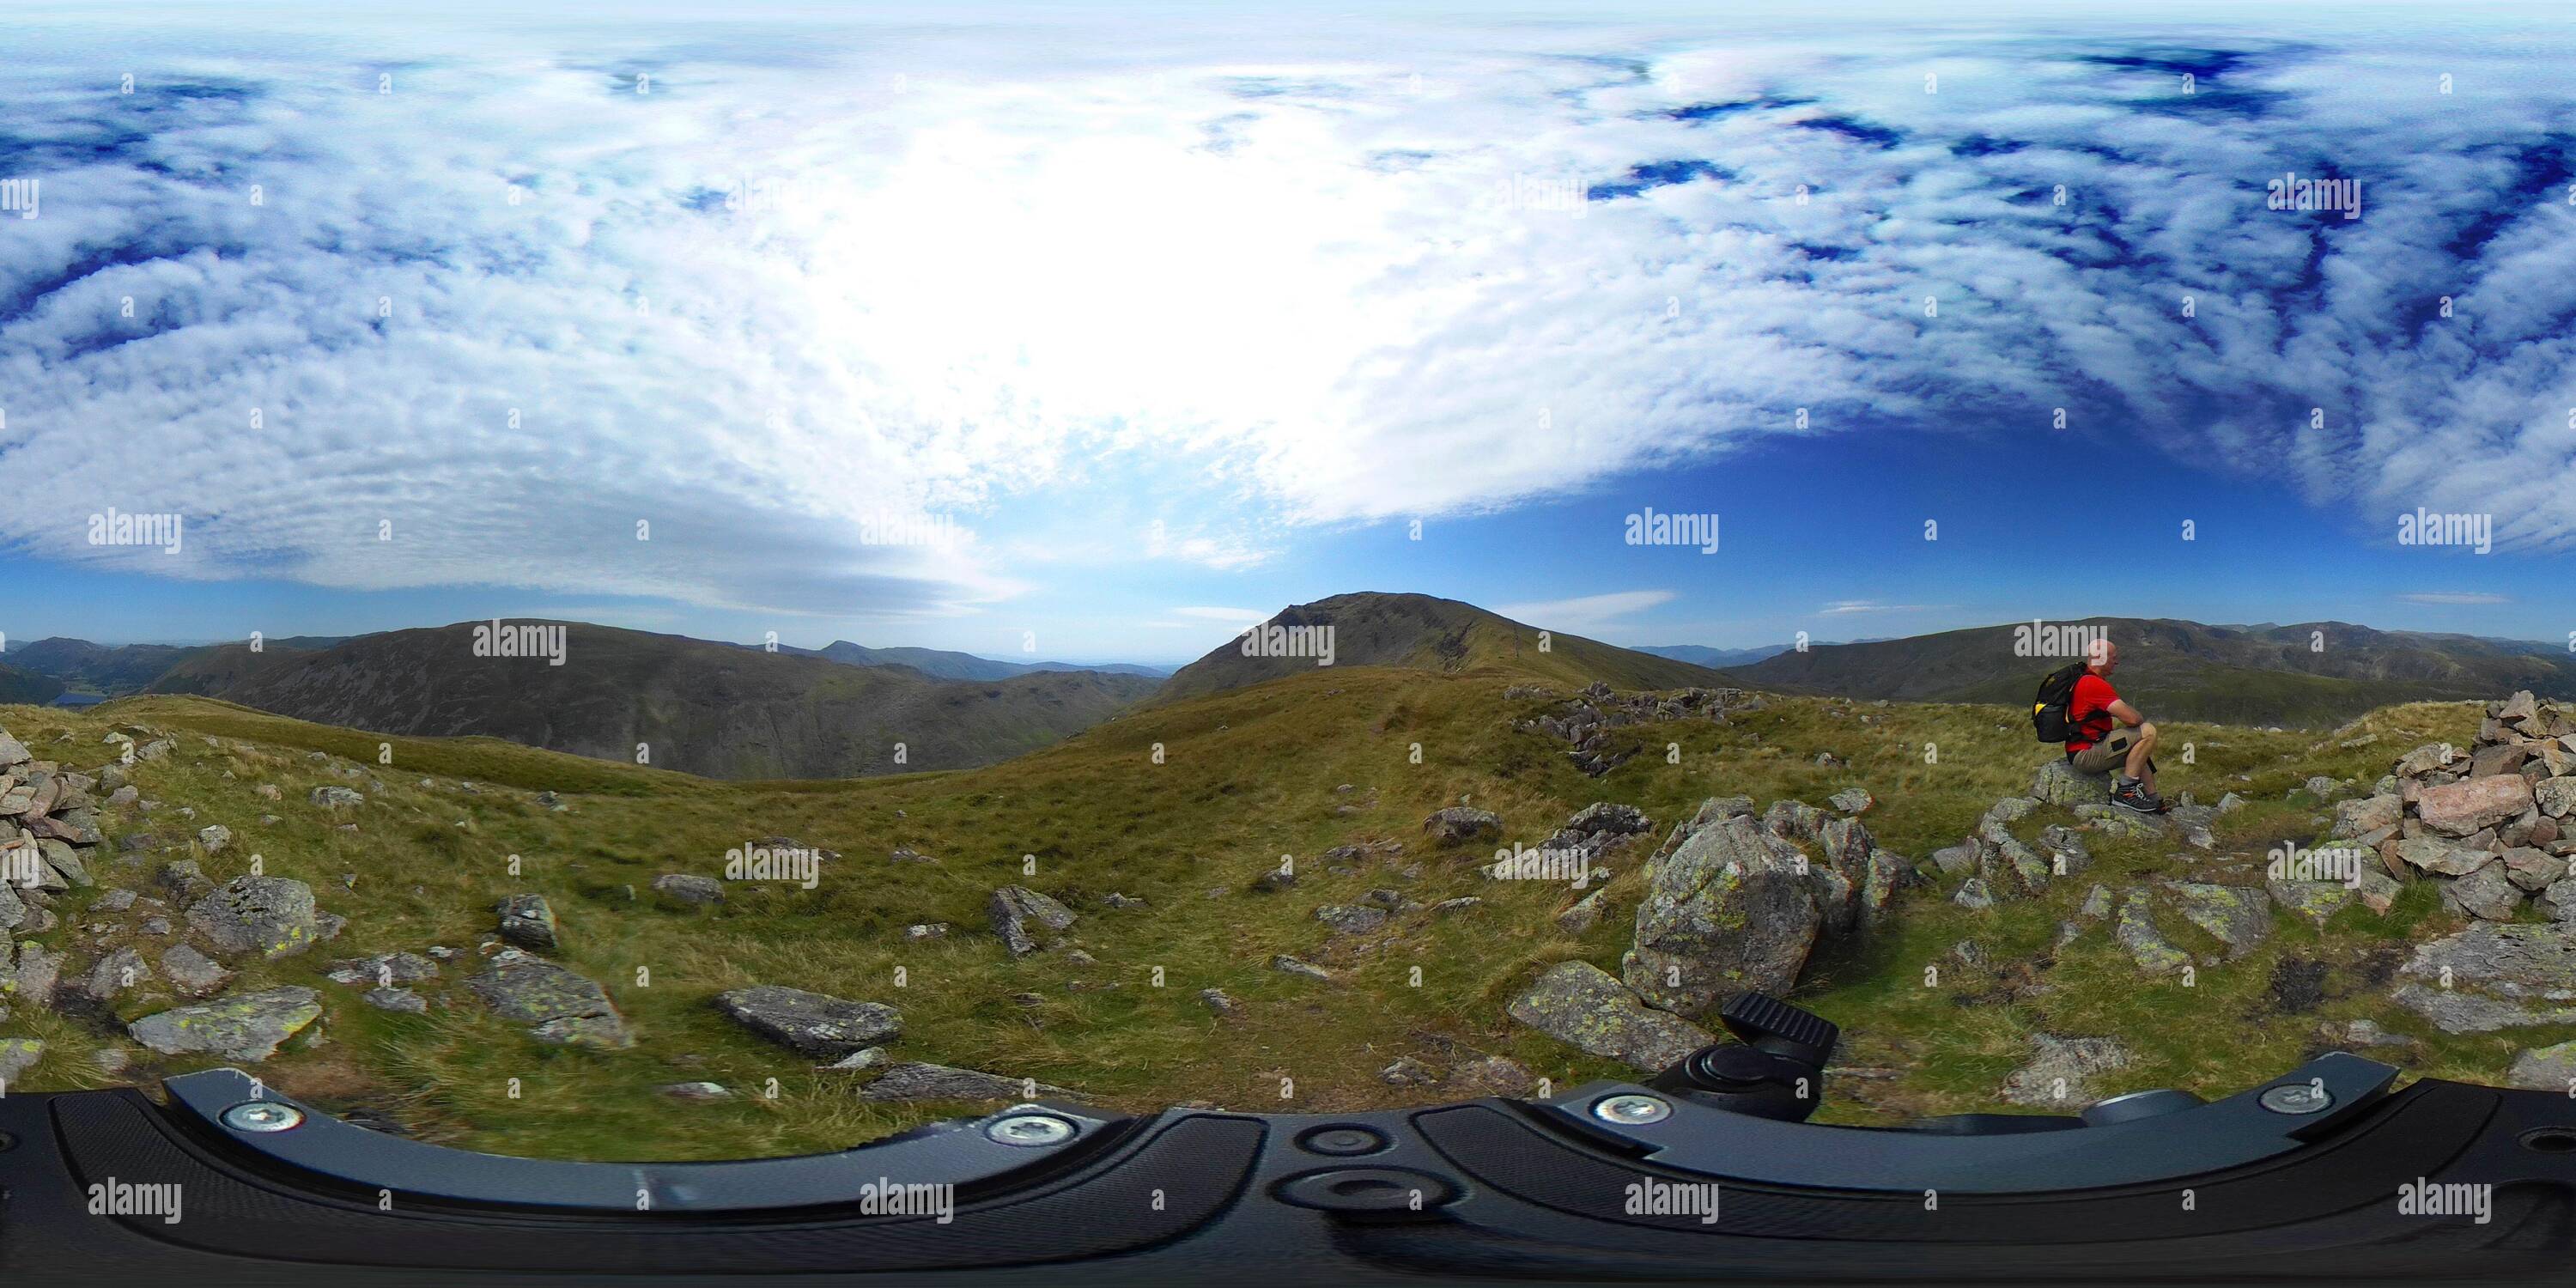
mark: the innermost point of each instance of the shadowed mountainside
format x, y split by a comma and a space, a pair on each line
716, 710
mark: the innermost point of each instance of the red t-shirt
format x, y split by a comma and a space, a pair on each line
2090, 711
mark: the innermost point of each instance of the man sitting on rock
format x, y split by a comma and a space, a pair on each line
2109, 734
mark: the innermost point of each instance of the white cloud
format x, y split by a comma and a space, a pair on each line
991, 274
2455, 597
1841, 606
1588, 612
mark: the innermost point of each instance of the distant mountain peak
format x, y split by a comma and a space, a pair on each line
1422, 632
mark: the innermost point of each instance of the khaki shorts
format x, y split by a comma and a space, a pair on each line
2107, 755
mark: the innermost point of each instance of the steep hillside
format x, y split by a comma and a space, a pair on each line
703, 708
98, 668
27, 686
1420, 632
2266, 675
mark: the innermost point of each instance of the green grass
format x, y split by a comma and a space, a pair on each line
1243, 778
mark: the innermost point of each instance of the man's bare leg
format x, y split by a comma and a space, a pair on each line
2140, 752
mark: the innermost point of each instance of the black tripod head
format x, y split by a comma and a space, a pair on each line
1775, 1070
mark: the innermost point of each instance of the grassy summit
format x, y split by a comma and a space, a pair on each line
1244, 777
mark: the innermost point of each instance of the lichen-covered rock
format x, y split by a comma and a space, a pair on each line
910, 1082
36, 975
2494, 975
247, 1027
115, 973
1459, 823
2442, 856
690, 888
1793, 820
816, 1024
1018, 913
2097, 903
528, 921
1351, 919
2062, 1072
269, 916
1605, 818
1733, 909
557, 1006
2318, 901
17, 1055
2239, 916
1581, 1004
1852, 800
2487, 893
2366, 814
2551, 1068
334, 796
1957, 860
1973, 894
193, 972
383, 969
2057, 783
2556, 797
2145, 944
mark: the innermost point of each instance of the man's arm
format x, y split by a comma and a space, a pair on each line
2124, 713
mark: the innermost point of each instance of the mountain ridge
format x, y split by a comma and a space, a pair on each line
2309, 674
1422, 632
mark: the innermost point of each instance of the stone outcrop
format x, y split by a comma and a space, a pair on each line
1021, 916
1736, 907
819, 1025
1582, 1004
556, 1006
247, 1027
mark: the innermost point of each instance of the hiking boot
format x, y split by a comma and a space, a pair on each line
2137, 799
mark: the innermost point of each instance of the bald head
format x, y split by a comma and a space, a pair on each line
2101, 655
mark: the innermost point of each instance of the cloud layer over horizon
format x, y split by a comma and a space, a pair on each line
776, 291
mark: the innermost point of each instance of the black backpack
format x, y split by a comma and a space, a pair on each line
2048, 710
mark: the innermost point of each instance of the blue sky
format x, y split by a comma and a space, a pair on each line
1157, 319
